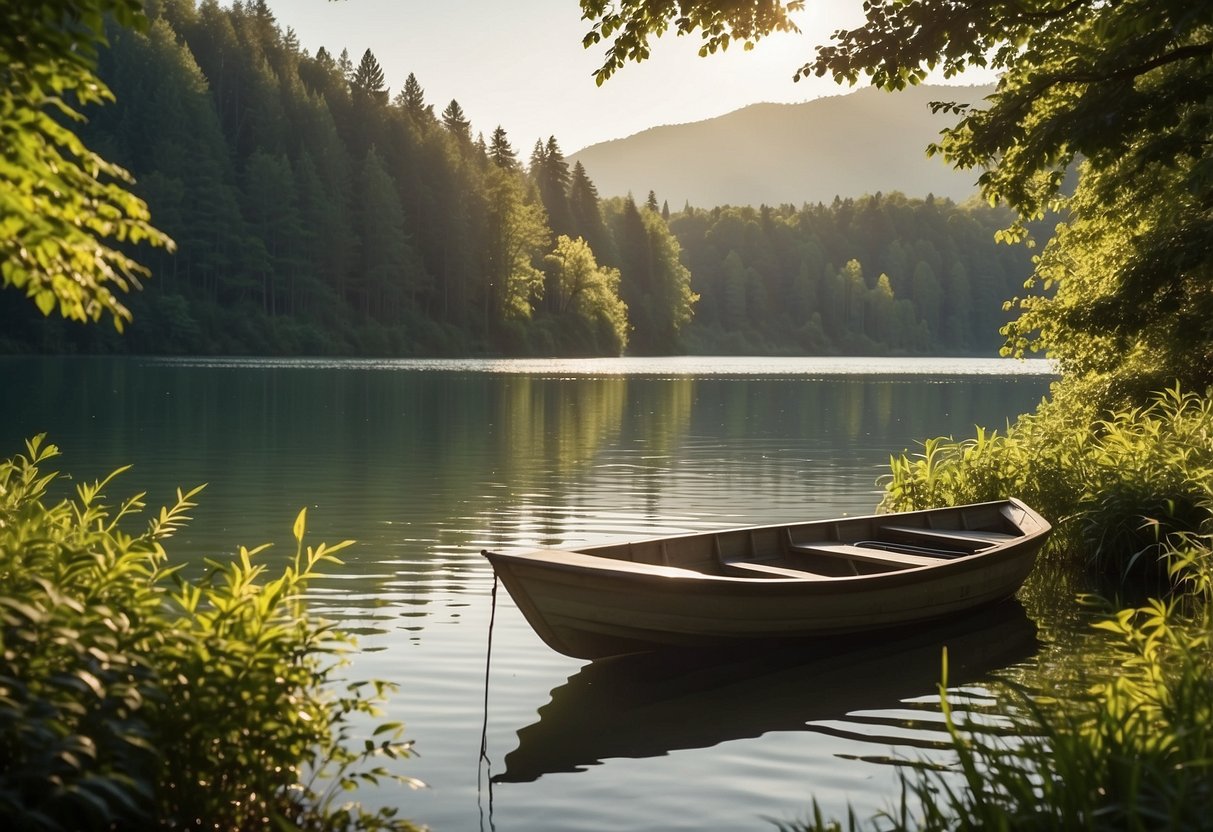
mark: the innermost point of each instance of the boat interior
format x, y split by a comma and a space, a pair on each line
827, 549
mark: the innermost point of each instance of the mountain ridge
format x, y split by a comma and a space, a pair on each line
844, 145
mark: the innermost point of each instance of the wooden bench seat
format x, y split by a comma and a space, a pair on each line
900, 560
769, 569
962, 537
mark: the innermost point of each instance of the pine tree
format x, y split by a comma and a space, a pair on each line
651, 202
411, 99
551, 174
586, 210
515, 235
345, 66
368, 78
501, 152
387, 263
456, 122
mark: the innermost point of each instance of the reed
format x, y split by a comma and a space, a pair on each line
1119, 490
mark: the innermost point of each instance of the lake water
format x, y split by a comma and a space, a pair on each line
425, 463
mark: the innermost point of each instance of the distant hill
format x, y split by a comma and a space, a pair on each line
847, 145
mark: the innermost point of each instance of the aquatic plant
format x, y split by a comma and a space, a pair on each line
132, 697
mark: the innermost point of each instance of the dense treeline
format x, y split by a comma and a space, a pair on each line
878, 275
317, 213
313, 214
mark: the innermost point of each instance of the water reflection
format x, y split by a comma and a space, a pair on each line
651, 704
425, 463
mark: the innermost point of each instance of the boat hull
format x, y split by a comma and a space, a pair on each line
592, 603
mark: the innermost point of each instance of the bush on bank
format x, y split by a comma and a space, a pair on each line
1118, 489
133, 698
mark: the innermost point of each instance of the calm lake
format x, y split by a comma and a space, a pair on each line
424, 463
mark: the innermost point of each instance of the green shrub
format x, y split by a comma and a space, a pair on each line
132, 698
1116, 489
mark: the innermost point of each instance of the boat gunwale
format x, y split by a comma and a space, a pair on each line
550, 558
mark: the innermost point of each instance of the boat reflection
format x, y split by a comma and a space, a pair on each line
650, 704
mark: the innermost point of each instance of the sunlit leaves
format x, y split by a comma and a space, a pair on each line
516, 236
141, 699
587, 290
66, 218
628, 25
1125, 86
1122, 491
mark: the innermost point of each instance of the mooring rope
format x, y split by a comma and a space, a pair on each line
484, 769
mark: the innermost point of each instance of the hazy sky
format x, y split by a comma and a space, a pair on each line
520, 64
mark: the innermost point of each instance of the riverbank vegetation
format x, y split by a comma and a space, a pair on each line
134, 697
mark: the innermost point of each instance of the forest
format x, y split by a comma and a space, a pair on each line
316, 211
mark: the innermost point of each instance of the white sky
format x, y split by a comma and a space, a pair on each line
520, 64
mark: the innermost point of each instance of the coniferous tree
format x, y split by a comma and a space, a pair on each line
368, 78
411, 99
550, 172
387, 267
345, 66
273, 220
516, 235
456, 122
586, 210
500, 151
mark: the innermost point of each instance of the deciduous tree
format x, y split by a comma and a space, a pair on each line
65, 211
588, 291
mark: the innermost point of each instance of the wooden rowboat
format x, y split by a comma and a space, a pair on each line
805, 580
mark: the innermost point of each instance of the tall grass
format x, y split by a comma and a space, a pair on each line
1119, 489
132, 698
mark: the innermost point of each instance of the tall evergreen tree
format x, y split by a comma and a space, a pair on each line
345, 66
368, 78
456, 122
387, 266
411, 99
516, 236
586, 210
500, 151
550, 172
273, 217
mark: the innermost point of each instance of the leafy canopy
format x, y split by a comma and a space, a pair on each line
1078, 76
65, 213
627, 25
